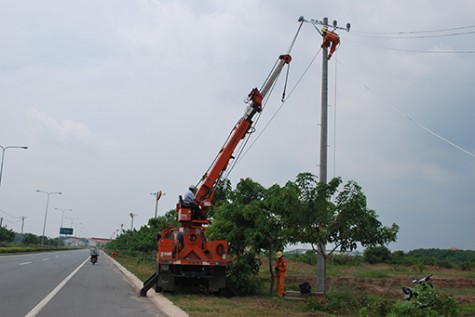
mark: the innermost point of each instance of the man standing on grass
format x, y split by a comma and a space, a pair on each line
280, 268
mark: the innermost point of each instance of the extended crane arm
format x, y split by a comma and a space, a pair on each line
206, 188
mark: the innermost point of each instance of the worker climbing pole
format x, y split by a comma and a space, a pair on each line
330, 40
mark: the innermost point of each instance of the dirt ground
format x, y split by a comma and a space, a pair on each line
392, 285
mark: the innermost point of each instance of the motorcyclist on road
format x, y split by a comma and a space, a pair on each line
93, 253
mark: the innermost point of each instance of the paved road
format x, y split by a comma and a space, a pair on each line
65, 283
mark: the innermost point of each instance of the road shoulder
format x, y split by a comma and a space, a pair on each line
158, 299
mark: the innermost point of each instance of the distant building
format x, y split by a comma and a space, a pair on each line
98, 242
86, 242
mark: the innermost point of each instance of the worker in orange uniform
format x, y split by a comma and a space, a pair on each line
280, 268
330, 39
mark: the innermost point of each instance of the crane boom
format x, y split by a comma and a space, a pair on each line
185, 256
207, 186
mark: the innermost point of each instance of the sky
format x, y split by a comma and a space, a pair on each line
120, 99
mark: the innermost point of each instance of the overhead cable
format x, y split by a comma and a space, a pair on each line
7, 214
420, 125
240, 151
412, 50
283, 102
403, 37
416, 32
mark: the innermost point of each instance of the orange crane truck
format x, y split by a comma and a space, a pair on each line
185, 255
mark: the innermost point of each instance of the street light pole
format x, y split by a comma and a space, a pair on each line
157, 197
72, 219
132, 215
46, 211
62, 214
76, 228
4, 148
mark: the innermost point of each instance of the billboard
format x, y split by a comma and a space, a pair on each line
66, 231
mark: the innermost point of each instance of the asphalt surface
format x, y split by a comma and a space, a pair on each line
66, 283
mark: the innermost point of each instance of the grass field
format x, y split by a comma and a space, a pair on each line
346, 285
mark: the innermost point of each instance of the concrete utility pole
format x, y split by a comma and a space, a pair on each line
321, 265
22, 223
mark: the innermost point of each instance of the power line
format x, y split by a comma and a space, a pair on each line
420, 125
11, 221
7, 214
415, 32
412, 50
282, 103
427, 52
403, 37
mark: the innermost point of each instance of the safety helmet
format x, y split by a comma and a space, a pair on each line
324, 29
192, 187
279, 254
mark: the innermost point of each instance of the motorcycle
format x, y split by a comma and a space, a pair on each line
93, 259
423, 291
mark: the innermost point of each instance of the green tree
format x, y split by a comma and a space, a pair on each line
144, 239
278, 204
340, 218
234, 221
6, 235
250, 220
30, 239
377, 254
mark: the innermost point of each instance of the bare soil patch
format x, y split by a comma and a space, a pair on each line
392, 285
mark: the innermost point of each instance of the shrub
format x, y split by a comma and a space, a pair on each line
309, 257
442, 306
445, 263
378, 254
241, 275
378, 307
342, 303
6, 235
466, 266
344, 259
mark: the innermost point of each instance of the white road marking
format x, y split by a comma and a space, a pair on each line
36, 310
45, 259
25, 263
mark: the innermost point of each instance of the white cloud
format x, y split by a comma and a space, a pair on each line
152, 88
64, 129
